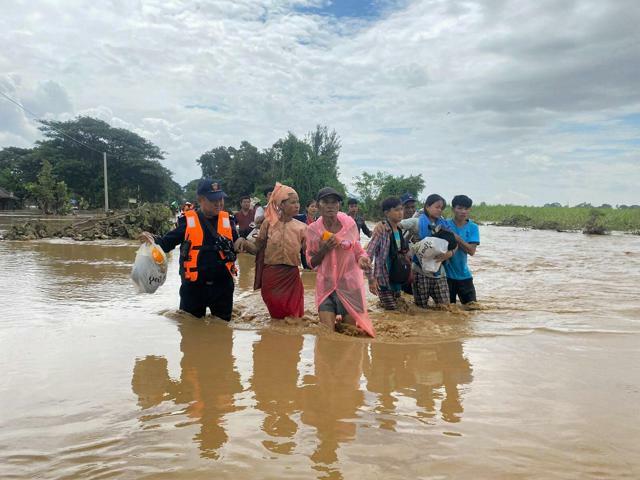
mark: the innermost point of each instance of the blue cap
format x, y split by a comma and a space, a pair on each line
210, 189
407, 197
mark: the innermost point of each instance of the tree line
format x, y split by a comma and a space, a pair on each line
66, 165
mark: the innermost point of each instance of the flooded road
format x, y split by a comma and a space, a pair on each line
542, 382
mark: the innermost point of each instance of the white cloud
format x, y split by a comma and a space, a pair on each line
492, 98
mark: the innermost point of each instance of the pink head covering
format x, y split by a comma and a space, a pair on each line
279, 194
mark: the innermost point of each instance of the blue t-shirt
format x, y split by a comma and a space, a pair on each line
456, 267
424, 230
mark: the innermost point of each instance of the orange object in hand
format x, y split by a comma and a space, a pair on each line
157, 255
326, 235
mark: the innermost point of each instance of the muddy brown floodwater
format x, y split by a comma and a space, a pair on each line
543, 381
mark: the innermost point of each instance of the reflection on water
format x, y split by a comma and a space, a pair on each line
332, 398
275, 386
207, 385
427, 374
322, 389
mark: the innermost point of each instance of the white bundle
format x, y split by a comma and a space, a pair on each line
428, 248
149, 268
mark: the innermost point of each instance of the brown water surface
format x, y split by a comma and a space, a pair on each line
542, 380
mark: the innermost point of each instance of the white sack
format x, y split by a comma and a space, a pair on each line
428, 248
150, 268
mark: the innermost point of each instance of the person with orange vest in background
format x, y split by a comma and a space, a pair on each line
208, 244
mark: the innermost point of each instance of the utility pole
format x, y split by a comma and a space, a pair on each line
106, 188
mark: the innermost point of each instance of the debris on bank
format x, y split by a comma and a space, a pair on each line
152, 217
595, 223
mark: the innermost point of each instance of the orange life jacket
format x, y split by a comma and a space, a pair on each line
195, 235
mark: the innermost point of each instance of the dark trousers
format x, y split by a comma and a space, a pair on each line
465, 289
195, 297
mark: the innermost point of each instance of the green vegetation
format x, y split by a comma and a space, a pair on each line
50, 195
304, 164
558, 218
58, 168
374, 188
134, 165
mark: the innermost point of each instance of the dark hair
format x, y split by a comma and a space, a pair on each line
244, 197
352, 201
309, 202
449, 237
433, 198
461, 200
389, 203
267, 190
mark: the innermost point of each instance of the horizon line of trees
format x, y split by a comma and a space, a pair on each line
134, 166
58, 169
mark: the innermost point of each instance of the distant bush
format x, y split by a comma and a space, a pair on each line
556, 218
595, 223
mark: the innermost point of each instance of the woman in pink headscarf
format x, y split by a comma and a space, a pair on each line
282, 237
334, 250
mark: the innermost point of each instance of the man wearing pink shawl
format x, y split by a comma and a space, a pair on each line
334, 251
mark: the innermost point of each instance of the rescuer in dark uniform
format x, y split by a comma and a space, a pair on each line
207, 239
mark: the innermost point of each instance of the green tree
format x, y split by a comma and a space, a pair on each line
50, 195
373, 188
369, 186
216, 163
245, 172
134, 166
190, 190
305, 164
18, 168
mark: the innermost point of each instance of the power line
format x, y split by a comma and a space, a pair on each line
104, 153
48, 126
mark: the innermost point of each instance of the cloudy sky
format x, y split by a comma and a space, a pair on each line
507, 101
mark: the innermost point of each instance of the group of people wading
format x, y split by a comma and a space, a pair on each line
209, 240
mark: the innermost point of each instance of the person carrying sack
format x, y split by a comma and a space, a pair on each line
208, 242
389, 249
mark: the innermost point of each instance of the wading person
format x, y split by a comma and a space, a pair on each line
467, 234
259, 214
408, 211
207, 254
282, 237
308, 217
388, 249
244, 217
354, 212
334, 250
408, 205
429, 284
427, 224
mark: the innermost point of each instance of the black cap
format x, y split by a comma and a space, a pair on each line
407, 197
210, 189
328, 191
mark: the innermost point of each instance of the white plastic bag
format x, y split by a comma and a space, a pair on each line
428, 248
149, 268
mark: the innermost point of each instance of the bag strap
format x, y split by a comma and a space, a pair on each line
207, 224
404, 243
393, 246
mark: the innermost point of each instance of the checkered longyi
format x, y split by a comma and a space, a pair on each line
425, 287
